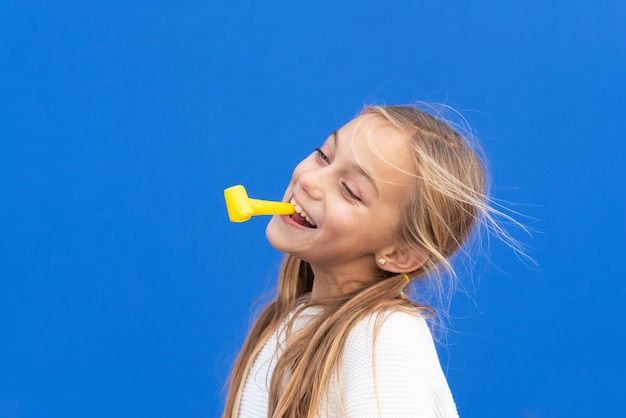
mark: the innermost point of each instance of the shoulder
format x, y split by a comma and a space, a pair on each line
392, 332
390, 365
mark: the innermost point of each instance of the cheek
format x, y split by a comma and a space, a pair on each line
381, 223
343, 219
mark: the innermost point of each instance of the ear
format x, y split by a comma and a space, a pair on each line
401, 259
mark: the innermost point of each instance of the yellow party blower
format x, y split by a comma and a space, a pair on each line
240, 207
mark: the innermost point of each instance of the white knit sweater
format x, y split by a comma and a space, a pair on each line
405, 381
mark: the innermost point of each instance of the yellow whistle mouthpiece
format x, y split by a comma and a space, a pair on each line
241, 208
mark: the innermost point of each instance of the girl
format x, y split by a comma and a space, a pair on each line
384, 202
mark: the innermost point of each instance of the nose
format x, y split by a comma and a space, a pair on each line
312, 182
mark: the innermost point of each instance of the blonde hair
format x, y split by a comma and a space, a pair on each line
450, 199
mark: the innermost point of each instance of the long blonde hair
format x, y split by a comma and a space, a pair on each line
440, 214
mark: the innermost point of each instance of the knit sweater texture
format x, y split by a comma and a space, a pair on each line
402, 377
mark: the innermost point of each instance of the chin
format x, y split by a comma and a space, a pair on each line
278, 239
272, 235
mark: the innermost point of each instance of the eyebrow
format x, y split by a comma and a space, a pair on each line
358, 167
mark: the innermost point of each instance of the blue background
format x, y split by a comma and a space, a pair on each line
125, 291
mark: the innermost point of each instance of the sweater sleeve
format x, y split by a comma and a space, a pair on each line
399, 376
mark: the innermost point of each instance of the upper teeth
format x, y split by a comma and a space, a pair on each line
302, 212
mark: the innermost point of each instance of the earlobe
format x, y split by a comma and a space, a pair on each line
401, 260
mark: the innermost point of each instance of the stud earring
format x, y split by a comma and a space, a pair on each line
382, 261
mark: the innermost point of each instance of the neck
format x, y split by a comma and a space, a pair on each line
328, 283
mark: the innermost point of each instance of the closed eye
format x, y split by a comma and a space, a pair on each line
349, 192
322, 156
346, 190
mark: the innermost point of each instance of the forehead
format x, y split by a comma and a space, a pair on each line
381, 150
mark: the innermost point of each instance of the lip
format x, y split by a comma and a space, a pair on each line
287, 218
290, 222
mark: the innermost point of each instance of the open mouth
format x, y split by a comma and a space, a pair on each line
301, 217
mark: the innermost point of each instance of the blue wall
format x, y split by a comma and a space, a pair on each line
125, 291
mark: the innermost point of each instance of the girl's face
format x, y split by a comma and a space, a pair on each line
349, 200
